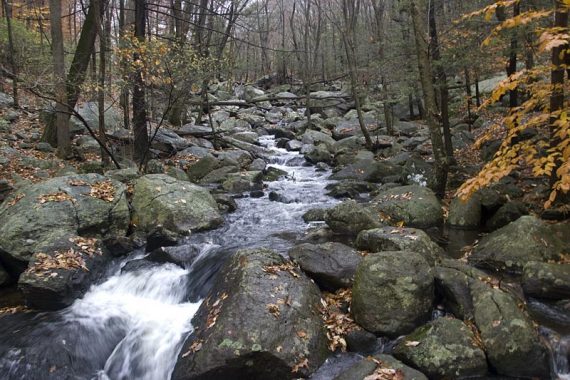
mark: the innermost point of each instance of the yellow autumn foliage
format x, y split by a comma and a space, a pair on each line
548, 153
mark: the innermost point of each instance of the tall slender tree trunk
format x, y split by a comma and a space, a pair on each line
77, 70
139, 102
124, 100
441, 78
439, 181
557, 79
14, 67
101, 83
62, 119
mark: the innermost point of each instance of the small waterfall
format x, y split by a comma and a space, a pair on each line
148, 306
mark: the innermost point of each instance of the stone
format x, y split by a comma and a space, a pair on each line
527, 239
319, 153
39, 217
400, 239
349, 218
317, 138
331, 265
507, 213
443, 349
179, 207
415, 206
368, 170
258, 322
57, 277
393, 292
4, 276
314, 215
465, 213
509, 336
546, 280
365, 368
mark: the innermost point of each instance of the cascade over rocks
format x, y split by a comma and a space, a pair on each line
392, 293
260, 321
178, 206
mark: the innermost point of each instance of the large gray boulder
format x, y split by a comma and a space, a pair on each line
465, 213
400, 239
260, 321
369, 170
331, 265
415, 206
4, 276
38, 217
56, 278
380, 367
526, 239
178, 206
508, 334
318, 138
349, 218
443, 349
392, 293
546, 280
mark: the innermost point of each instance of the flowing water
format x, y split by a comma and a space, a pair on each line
132, 325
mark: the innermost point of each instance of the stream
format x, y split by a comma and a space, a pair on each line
132, 324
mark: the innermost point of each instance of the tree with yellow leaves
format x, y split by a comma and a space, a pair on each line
544, 109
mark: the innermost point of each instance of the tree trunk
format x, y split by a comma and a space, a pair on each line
8, 15
62, 118
439, 181
77, 70
557, 81
441, 78
139, 102
101, 86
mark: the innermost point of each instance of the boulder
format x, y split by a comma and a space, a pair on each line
546, 280
507, 213
509, 336
349, 218
368, 170
318, 138
55, 278
392, 293
526, 239
179, 207
349, 189
415, 206
315, 215
400, 239
465, 213
260, 321
453, 281
37, 217
380, 367
4, 276
443, 349
319, 153
167, 141
331, 265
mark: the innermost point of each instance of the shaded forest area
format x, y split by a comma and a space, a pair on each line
247, 188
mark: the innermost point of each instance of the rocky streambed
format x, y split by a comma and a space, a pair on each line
254, 261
